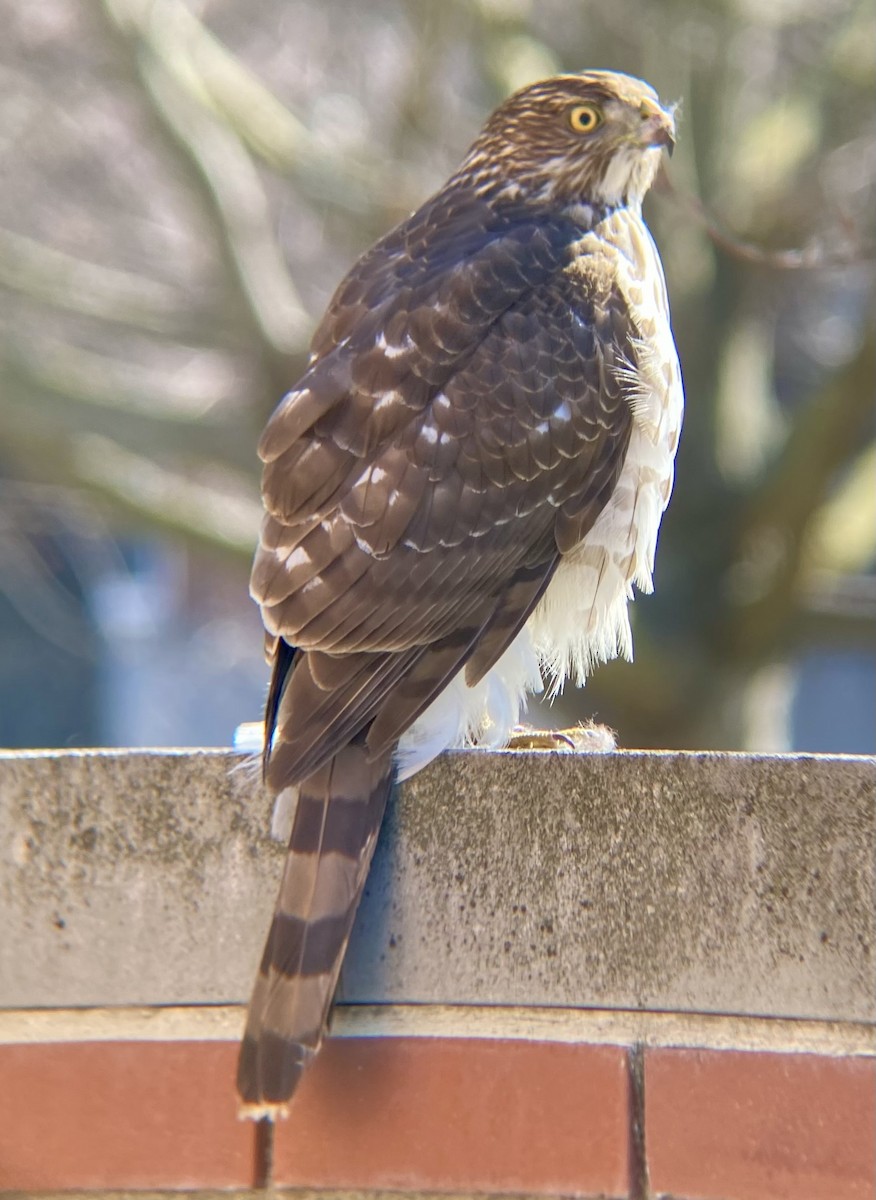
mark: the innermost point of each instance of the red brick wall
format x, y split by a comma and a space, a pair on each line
453, 1114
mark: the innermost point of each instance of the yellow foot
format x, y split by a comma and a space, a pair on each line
592, 738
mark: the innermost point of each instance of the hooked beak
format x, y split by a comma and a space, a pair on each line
657, 127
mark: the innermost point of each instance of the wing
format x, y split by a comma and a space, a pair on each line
463, 425
408, 314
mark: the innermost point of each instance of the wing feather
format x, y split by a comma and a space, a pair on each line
463, 422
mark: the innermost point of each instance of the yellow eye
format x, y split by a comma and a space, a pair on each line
584, 118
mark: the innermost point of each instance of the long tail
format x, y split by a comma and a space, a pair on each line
340, 808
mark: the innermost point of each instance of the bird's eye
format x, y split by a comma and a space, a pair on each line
584, 118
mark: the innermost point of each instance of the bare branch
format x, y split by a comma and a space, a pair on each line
231, 185
220, 518
41, 405
851, 247
216, 80
212, 75
242, 206
33, 269
224, 517
95, 379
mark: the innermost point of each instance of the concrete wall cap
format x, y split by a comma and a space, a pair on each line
661, 881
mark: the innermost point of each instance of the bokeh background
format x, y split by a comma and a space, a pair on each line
181, 187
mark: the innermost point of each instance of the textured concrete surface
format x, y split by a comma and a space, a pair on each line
682, 882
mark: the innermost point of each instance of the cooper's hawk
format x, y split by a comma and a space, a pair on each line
461, 491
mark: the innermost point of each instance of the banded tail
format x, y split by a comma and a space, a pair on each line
340, 808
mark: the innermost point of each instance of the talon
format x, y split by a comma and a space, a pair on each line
540, 739
590, 738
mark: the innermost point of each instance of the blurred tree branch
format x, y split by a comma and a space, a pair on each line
96, 379
849, 245
230, 184
242, 211
140, 490
761, 580
210, 513
217, 82
29, 267
70, 392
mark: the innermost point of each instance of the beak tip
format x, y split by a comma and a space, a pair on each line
664, 139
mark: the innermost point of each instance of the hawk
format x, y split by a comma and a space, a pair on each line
460, 492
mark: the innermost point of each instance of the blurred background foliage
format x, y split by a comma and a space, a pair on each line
184, 183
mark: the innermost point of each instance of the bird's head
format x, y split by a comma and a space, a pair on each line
593, 138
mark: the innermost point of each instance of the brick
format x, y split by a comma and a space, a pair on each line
121, 1115
731, 1125
460, 1114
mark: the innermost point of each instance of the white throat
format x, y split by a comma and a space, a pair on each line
628, 177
